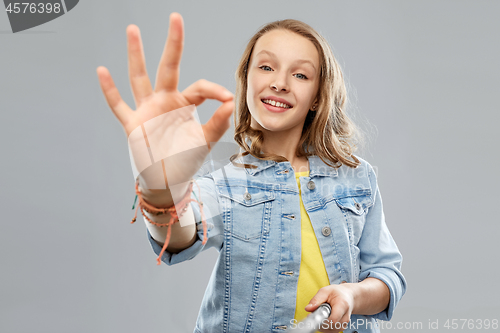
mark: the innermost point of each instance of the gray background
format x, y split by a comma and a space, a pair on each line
423, 81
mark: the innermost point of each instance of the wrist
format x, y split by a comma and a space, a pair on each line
157, 198
370, 296
355, 291
164, 198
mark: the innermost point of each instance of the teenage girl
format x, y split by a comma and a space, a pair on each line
296, 217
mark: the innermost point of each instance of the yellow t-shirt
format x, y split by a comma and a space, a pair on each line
312, 275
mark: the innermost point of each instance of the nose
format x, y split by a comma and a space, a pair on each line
279, 83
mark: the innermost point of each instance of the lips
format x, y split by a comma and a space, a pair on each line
275, 109
277, 100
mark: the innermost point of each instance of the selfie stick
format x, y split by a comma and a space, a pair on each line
312, 322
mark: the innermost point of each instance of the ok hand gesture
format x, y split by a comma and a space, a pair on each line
166, 97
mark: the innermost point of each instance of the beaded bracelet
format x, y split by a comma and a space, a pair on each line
174, 217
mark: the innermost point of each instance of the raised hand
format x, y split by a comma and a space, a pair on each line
166, 98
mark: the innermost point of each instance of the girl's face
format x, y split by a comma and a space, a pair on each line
284, 66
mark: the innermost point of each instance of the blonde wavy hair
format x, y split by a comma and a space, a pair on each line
328, 132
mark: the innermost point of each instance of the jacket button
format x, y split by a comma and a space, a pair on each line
357, 205
326, 231
247, 196
311, 185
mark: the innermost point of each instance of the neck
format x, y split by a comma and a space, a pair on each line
285, 144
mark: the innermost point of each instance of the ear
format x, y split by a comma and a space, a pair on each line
314, 105
315, 100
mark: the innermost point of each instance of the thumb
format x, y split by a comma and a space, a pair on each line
320, 298
219, 123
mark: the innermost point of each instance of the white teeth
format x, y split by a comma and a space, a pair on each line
274, 103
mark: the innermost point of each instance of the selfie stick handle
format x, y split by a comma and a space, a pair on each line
312, 322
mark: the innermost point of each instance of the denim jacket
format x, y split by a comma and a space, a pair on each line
253, 218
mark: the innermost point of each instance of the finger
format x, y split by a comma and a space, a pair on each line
216, 126
346, 318
337, 313
167, 76
113, 98
201, 90
139, 80
341, 324
318, 299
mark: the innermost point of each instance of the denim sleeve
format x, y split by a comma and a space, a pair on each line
379, 255
214, 224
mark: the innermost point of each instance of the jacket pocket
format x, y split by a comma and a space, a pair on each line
355, 209
357, 205
247, 213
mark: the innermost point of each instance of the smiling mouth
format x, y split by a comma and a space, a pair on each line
276, 104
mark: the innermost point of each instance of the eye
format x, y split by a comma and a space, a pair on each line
263, 67
302, 76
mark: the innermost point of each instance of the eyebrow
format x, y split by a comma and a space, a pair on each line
298, 61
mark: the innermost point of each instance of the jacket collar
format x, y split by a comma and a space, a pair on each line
316, 165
